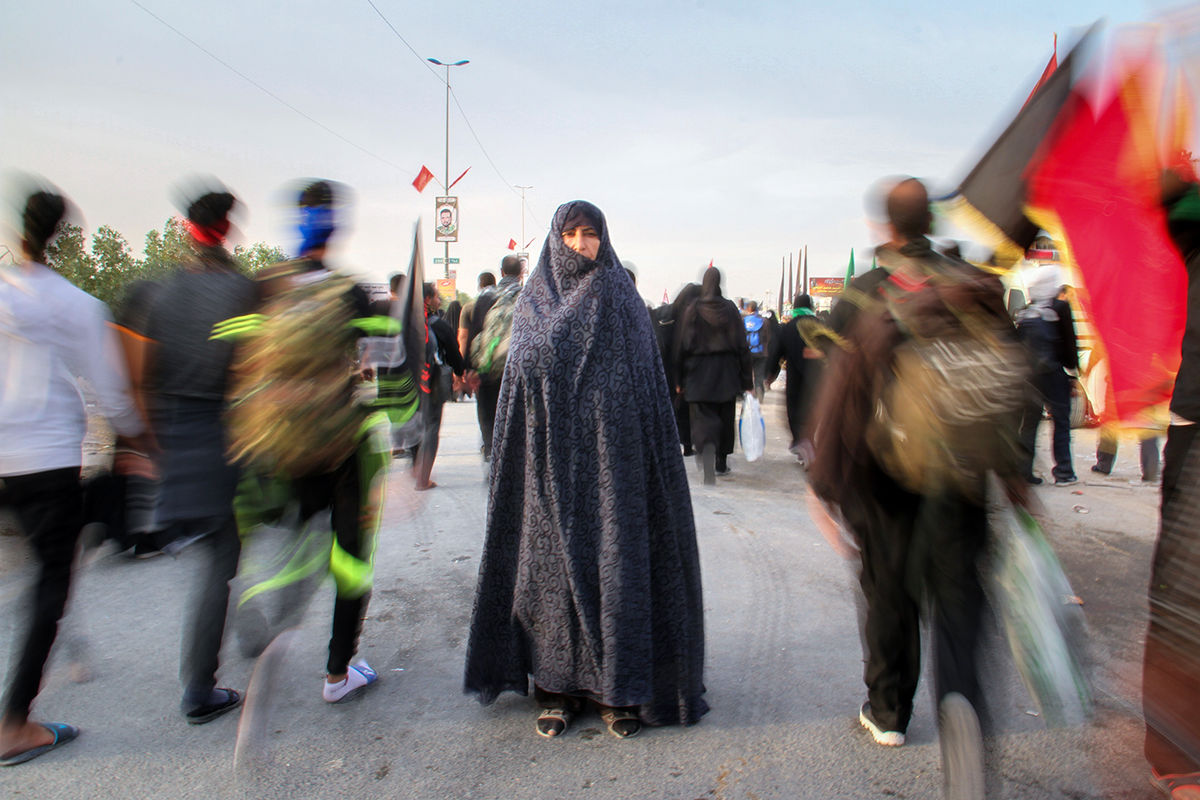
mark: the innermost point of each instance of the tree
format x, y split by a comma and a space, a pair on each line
113, 264
257, 256
108, 270
166, 250
68, 256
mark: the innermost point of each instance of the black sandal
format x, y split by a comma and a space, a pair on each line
622, 723
553, 722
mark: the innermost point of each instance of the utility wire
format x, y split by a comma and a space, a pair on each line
264, 89
483, 149
387, 22
443, 81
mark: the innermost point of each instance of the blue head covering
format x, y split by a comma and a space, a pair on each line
317, 224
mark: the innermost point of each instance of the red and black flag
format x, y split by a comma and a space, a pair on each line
991, 199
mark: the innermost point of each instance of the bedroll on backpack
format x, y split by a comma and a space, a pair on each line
948, 412
489, 350
291, 407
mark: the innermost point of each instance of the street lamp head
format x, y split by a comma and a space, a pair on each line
443, 64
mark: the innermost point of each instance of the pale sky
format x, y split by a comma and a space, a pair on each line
736, 132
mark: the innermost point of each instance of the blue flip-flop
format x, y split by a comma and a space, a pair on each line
63, 733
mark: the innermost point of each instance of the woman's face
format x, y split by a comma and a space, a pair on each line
584, 240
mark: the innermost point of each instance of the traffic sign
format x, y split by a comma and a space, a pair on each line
443, 261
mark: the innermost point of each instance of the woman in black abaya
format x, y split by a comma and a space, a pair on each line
590, 577
714, 368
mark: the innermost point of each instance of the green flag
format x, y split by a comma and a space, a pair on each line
874, 263
850, 269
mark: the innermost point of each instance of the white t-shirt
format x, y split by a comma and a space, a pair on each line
51, 335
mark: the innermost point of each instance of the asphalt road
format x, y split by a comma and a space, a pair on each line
783, 668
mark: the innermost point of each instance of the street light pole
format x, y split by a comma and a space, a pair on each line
446, 179
522, 188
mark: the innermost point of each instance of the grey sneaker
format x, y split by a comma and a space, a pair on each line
962, 748
881, 736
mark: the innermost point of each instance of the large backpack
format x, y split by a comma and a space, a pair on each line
489, 349
948, 411
292, 409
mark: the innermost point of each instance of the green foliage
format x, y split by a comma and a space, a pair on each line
257, 256
110, 267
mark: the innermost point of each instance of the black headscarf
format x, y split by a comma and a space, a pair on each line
590, 575
712, 324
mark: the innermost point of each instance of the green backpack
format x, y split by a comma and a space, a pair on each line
291, 402
489, 350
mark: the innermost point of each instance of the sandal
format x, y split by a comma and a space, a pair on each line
1185, 786
553, 722
214, 708
622, 723
63, 733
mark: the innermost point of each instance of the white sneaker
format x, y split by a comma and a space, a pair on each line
885, 738
359, 676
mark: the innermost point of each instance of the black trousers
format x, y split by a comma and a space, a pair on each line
1053, 390
486, 398
1171, 669
204, 622
918, 552
713, 424
341, 492
432, 405
49, 508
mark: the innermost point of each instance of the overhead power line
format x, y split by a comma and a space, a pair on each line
457, 104
267, 91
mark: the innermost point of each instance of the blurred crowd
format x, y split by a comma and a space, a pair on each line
257, 417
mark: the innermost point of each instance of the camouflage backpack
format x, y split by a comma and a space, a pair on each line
948, 412
291, 407
489, 350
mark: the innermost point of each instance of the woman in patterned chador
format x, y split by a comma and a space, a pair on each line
590, 576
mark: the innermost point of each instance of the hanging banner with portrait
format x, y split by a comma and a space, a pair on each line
446, 219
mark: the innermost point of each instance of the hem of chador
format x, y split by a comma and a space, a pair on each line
690, 712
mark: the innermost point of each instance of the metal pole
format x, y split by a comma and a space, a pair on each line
523, 188
446, 182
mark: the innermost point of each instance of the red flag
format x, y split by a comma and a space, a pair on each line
1096, 189
459, 178
665, 300
512, 244
423, 178
1051, 65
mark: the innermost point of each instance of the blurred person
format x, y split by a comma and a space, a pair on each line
713, 360
1171, 669
802, 345
1046, 327
185, 377
484, 338
465, 328
446, 367
590, 578
667, 324
397, 394
52, 336
453, 314
916, 513
1106, 454
317, 462
757, 336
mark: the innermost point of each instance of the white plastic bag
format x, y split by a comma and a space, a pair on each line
752, 429
1043, 622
